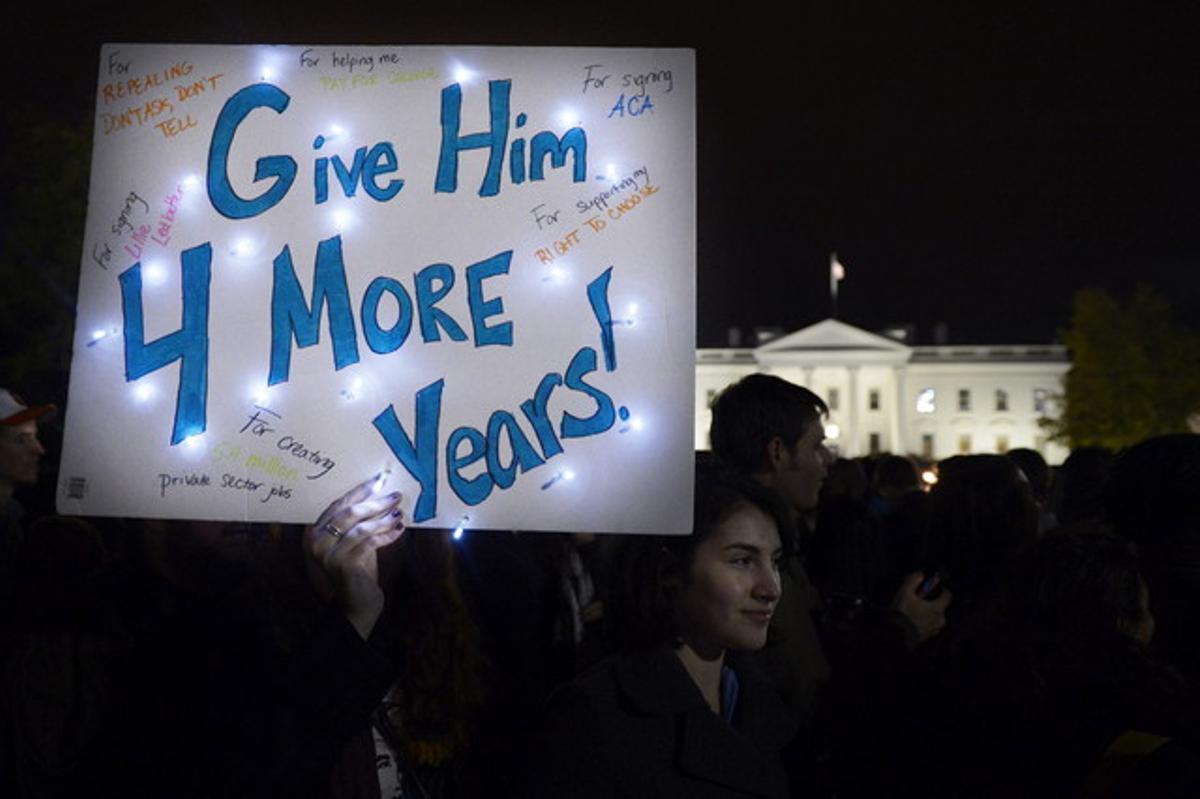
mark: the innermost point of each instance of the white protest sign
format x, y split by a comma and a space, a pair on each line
471, 266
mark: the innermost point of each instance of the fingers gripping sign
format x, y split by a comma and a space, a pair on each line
341, 550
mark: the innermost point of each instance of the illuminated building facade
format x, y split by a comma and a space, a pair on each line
887, 396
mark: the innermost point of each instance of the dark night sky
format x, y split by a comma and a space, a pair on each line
970, 166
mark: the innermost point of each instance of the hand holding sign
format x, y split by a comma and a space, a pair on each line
341, 550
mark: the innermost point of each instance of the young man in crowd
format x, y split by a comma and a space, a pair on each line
772, 430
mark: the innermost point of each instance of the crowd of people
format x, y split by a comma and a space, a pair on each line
831, 628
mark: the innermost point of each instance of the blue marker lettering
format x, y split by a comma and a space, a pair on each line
427, 298
481, 309
291, 316
523, 454
419, 458
380, 340
189, 344
476, 489
572, 426
280, 167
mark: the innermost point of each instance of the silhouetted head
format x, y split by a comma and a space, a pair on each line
771, 429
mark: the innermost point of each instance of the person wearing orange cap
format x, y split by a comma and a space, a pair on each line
20, 449
20, 452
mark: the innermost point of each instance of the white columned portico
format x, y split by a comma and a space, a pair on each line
899, 411
832, 345
855, 447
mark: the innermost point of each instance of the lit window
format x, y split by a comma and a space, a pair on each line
1040, 398
964, 399
964, 444
1001, 444
1001, 400
927, 401
832, 399
873, 399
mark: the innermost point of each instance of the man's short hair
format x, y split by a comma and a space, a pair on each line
757, 408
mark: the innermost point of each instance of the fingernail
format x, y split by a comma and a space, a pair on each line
397, 513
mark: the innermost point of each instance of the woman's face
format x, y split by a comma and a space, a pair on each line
732, 586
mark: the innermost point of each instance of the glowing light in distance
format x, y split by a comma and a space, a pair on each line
461, 528
563, 475
350, 392
630, 316
832, 431
154, 273
100, 333
268, 64
929, 476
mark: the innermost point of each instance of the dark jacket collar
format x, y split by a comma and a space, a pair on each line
744, 756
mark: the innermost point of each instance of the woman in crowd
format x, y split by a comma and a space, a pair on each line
1058, 672
679, 714
982, 515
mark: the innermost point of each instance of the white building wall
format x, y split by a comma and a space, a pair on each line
981, 428
710, 379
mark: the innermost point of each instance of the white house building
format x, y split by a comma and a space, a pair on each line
885, 396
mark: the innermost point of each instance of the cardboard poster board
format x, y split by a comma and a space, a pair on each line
471, 266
